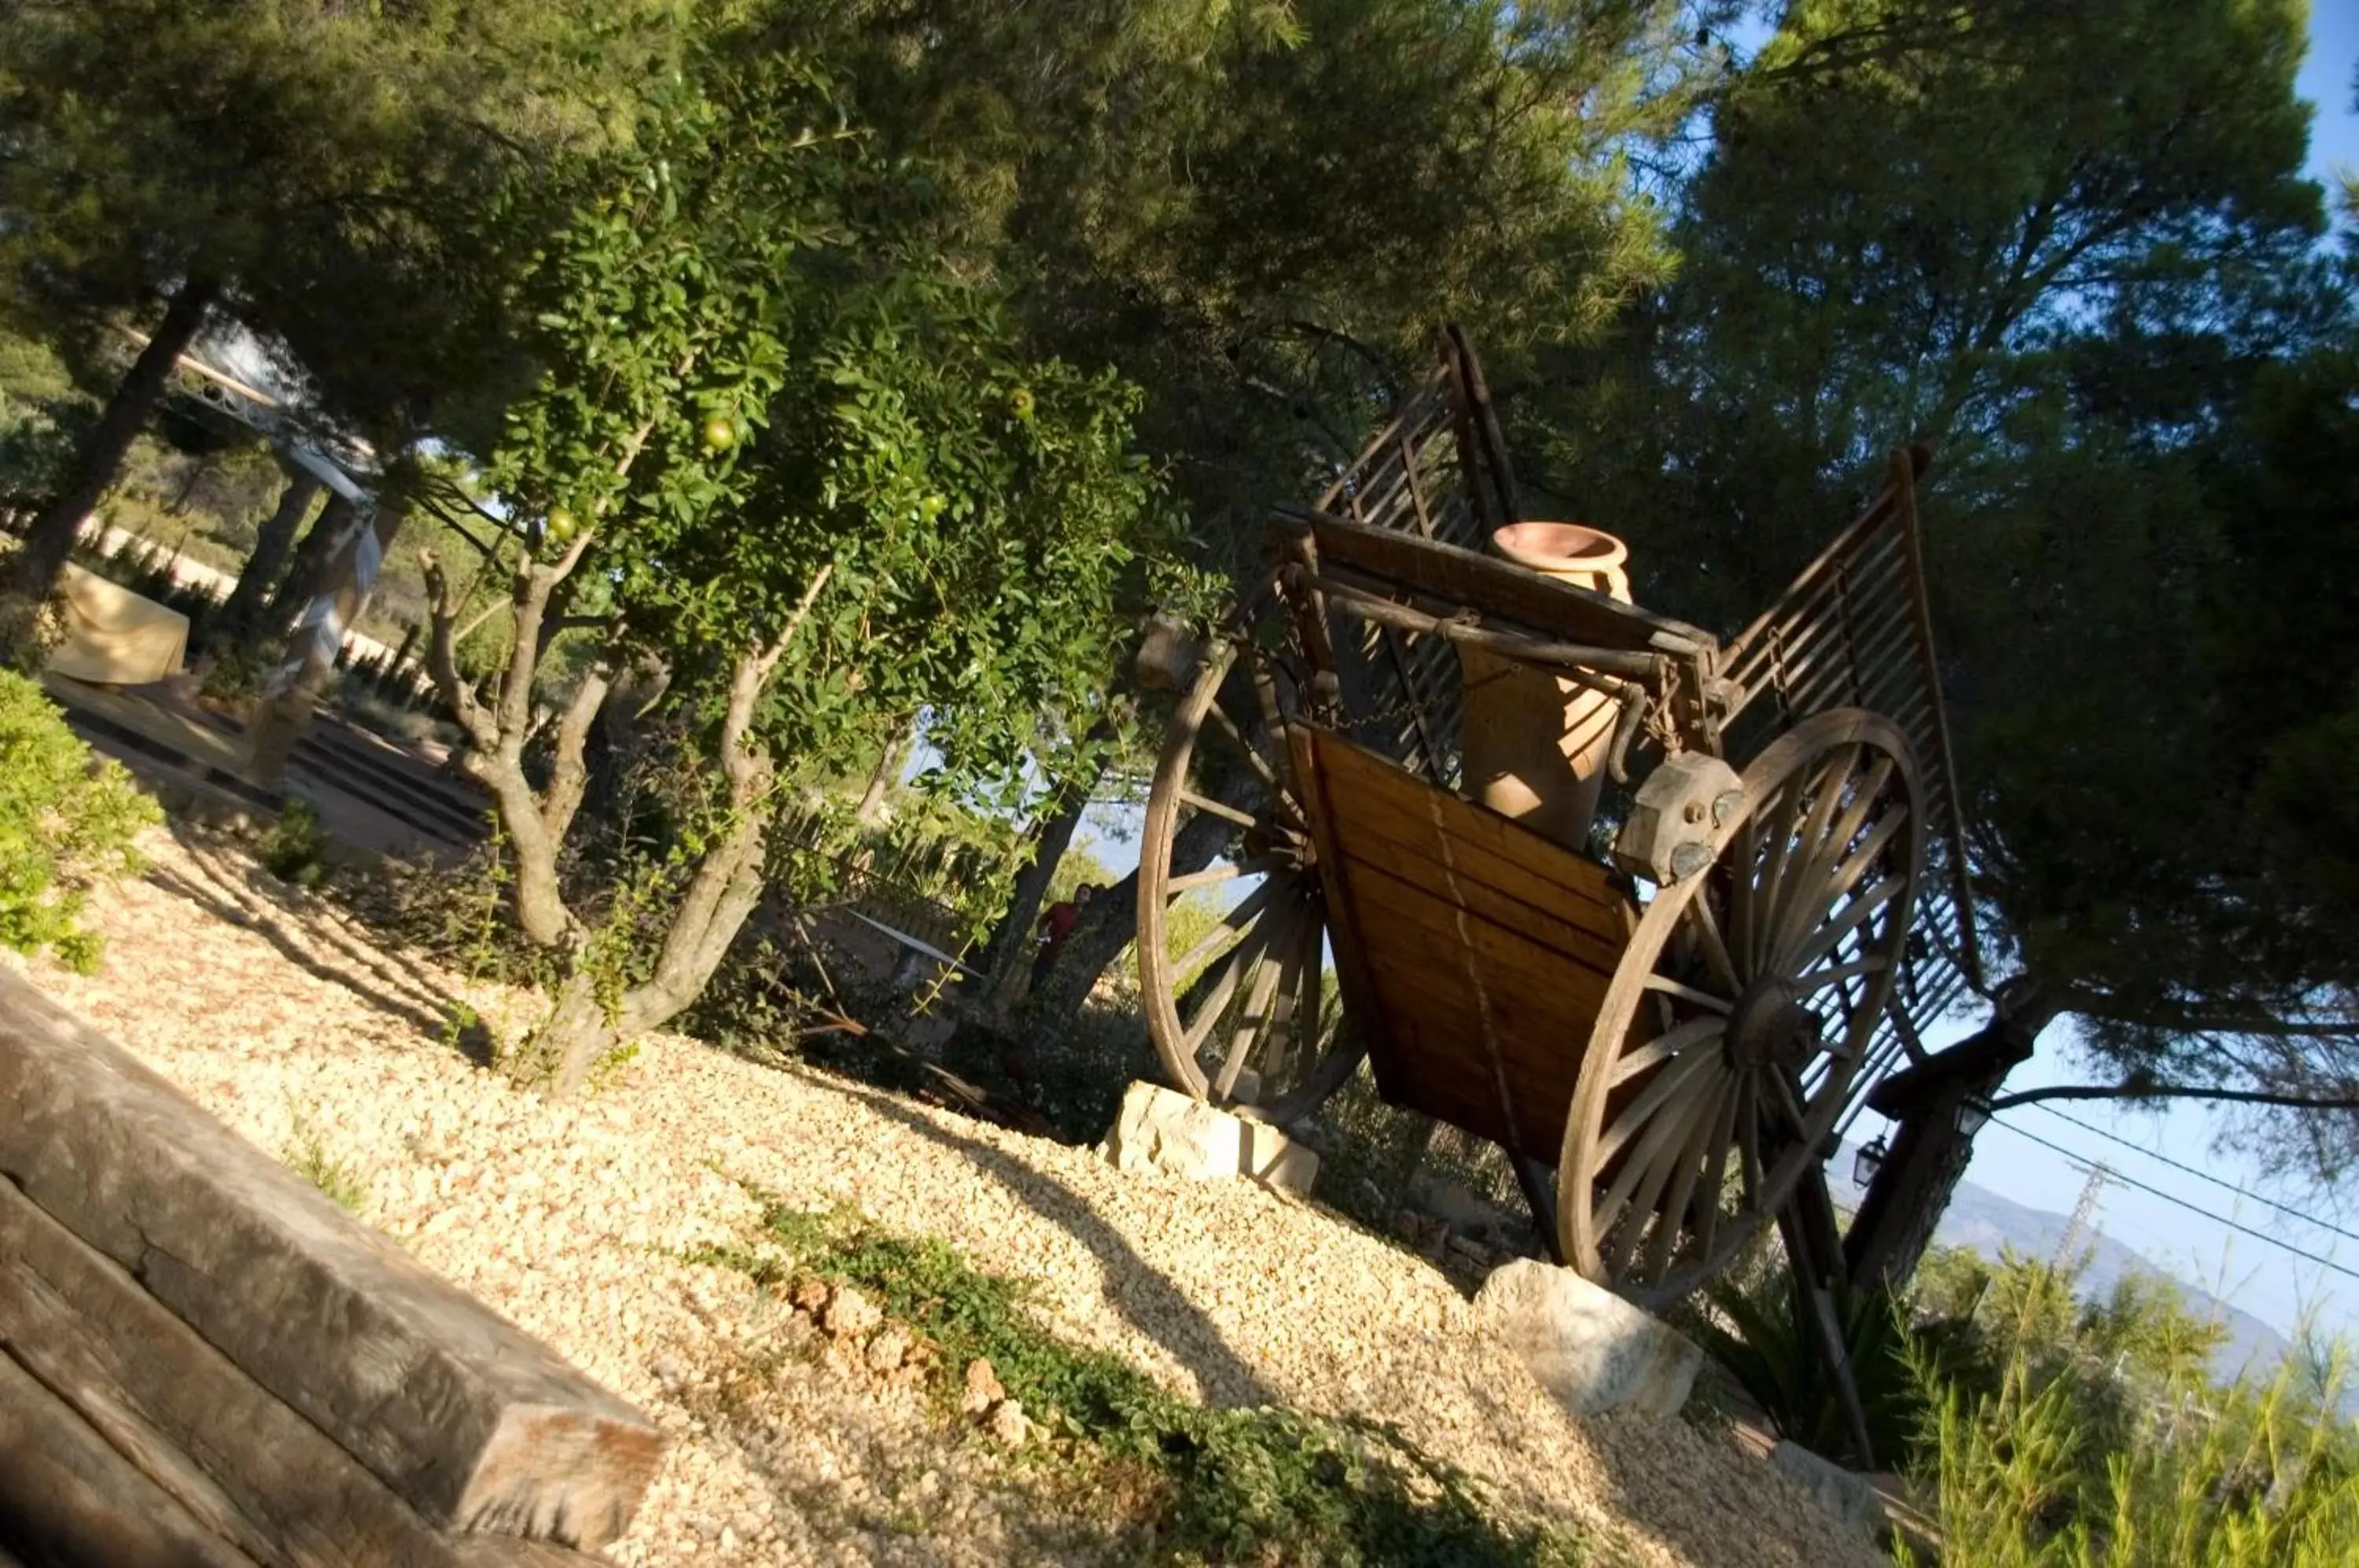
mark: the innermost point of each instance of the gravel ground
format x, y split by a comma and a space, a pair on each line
280, 1015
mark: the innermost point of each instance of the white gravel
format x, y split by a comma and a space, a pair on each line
280, 1015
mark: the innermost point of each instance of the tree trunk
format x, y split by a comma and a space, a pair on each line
51, 538
233, 625
889, 771
306, 574
1929, 1150
1004, 955
279, 723
1108, 925
579, 1035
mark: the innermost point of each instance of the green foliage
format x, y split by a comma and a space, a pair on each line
751, 264
361, 176
294, 849
2198, 1477
1267, 1485
67, 821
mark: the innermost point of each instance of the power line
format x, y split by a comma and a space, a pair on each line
2192, 1208
2197, 1171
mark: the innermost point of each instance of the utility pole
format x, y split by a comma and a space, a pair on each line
2084, 1209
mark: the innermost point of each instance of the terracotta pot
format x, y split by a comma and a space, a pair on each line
1536, 744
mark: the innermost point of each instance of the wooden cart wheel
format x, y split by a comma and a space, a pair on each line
1238, 1018
1737, 1019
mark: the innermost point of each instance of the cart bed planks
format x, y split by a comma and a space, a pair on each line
1474, 938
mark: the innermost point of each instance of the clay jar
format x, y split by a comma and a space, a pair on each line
1536, 744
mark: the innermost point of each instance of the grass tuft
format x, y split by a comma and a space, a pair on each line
308, 1158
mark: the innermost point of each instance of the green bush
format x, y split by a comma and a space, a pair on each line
67, 820
295, 849
2243, 1478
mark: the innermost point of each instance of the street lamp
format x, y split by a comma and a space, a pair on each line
1868, 1161
1972, 1113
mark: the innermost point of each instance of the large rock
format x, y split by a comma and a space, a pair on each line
1160, 1130
1589, 1348
1850, 1497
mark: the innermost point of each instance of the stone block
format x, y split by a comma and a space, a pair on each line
1161, 1130
1276, 1160
1850, 1497
1589, 1348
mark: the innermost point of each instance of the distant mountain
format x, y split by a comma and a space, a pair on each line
1980, 1219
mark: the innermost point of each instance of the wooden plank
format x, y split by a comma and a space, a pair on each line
1374, 798
253, 1472
473, 1422
1461, 887
1509, 964
72, 1502
1498, 588
1442, 1073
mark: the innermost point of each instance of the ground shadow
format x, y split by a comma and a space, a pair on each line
1225, 1377
231, 888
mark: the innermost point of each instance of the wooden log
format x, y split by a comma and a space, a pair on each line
1506, 592
244, 1465
475, 1424
72, 1502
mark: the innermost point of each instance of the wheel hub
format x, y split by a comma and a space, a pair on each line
1770, 1025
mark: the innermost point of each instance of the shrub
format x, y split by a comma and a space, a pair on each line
2243, 1477
67, 821
295, 850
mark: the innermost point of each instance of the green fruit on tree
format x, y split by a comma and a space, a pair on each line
720, 435
560, 524
1019, 402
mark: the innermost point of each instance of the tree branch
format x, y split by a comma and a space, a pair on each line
2173, 1092
441, 660
745, 683
569, 778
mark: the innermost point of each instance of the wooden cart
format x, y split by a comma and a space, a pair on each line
1678, 1031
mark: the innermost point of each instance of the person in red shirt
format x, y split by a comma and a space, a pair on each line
1056, 926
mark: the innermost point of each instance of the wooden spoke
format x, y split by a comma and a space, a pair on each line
1269, 975
1694, 1062
1651, 1099
1716, 1171
1642, 1175
1788, 1100
1842, 925
1220, 809
1715, 950
1262, 767
1235, 924
1214, 1005
1663, 1047
1230, 872
1826, 978
1693, 1155
1686, 992
1794, 879
1249, 987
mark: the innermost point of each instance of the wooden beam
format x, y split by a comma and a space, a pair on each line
248, 1468
1503, 591
470, 1420
71, 1501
